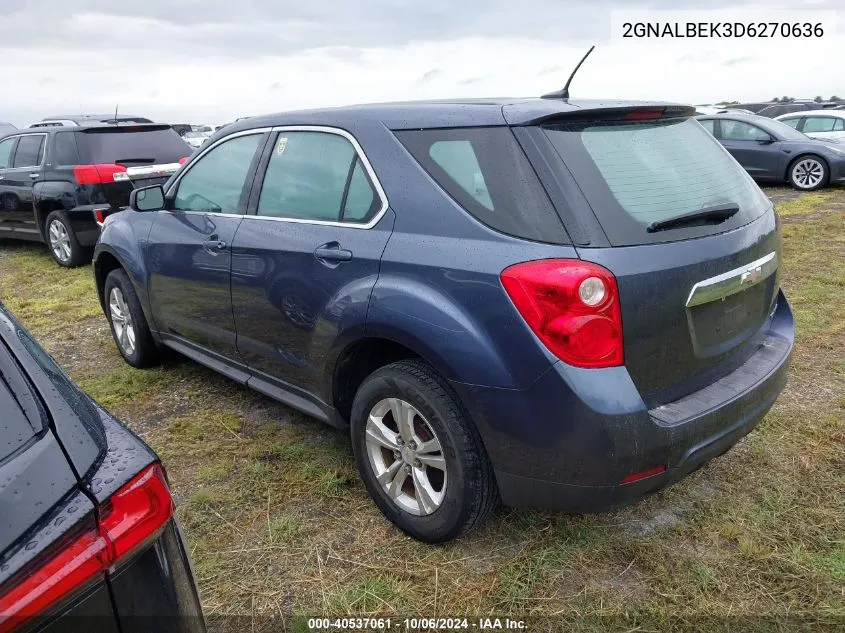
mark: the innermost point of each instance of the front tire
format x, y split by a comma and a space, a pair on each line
419, 454
808, 173
128, 325
64, 247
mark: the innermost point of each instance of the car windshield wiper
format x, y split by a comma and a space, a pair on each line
708, 215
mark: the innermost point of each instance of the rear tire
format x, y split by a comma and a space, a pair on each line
128, 325
61, 240
808, 173
433, 480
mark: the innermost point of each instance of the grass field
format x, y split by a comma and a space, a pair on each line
278, 523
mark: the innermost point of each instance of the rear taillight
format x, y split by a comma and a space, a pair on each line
99, 174
134, 515
573, 308
183, 160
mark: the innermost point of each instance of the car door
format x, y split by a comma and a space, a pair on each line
307, 256
189, 247
822, 127
753, 148
18, 183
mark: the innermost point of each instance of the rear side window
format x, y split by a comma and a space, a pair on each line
819, 124
133, 145
30, 151
709, 125
793, 122
485, 171
638, 173
64, 149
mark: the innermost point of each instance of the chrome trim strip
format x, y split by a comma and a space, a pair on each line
733, 281
147, 171
300, 128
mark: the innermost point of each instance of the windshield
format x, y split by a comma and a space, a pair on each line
636, 174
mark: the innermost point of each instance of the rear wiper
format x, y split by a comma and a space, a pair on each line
708, 215
149, 161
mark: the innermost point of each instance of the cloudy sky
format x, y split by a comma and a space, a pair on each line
214, 60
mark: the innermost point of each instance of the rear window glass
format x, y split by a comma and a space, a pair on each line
485, 171
639, 173
133, 146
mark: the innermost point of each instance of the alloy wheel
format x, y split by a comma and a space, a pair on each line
121, 319
808, 173
406, 456
59, 240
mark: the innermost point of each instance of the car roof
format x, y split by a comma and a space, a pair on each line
840, 114
82, 118
446, 113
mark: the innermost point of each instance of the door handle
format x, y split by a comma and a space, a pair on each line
214, 246
34, 176
332, 253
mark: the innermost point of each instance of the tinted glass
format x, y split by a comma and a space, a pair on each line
215, 183
306, 177
132, 145
839, 126
485, 171
793, 122
742, 131
709, 125
29, 152
638, 173
819, 124
784, 131
64, 149
362, 203
6, 152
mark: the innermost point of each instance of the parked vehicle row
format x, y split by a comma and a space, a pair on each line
772, 151
552, 303
59, 181
829, 124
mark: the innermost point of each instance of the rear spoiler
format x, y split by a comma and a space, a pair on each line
550, 111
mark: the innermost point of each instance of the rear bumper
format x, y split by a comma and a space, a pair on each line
568, 441
83, 221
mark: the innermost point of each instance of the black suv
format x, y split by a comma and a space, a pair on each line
58, 183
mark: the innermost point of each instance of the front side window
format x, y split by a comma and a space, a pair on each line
316, 176
30, 151
6, 152
819, 124
215, 183
741, 131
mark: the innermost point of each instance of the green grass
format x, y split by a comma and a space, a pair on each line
278, 522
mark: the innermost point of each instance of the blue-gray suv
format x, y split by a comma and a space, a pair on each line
559, 304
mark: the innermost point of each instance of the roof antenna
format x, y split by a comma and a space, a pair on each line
117, 105
564, 94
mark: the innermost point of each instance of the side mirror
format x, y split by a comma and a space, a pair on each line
147, 198
766, 141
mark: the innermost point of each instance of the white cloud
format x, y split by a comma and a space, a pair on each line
178, 73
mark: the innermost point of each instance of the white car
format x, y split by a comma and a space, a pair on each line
196, 139
821, 124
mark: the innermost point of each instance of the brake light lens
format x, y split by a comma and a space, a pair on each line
644, 114
131, 517
99, 174
573, 308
